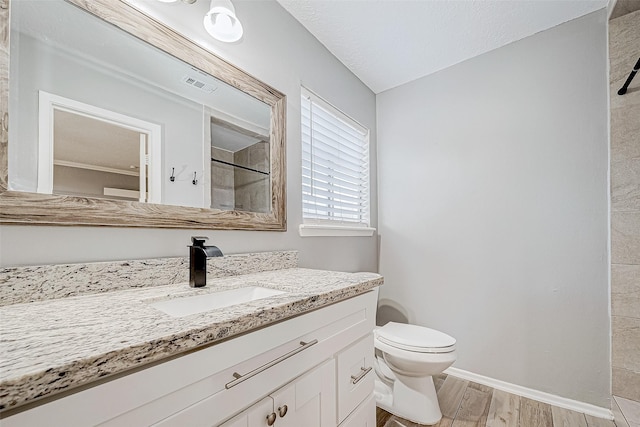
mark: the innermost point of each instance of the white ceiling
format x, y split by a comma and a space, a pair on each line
390, 42
78, 139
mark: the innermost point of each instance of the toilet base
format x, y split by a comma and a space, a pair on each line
411, 398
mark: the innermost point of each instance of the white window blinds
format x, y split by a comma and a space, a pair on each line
335, 165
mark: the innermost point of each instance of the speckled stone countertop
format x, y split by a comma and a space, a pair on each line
54, 345
42, 282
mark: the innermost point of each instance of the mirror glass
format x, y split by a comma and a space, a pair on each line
96, 112
81, 165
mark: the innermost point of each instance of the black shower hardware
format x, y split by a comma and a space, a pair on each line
195, 181
238, 166
172, 178
198, 254
624, 87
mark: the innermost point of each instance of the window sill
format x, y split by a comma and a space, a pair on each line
323, 230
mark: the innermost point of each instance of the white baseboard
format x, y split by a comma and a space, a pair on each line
540, 396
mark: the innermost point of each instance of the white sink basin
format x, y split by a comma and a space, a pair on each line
186, 306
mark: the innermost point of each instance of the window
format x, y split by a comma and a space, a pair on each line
335, 171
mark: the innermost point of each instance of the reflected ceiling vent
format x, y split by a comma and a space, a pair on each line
198, 84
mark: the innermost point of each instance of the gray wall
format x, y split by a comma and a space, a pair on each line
624, 40
493, 209
279, 51
91, 183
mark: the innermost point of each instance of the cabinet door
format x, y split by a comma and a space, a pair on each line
364, 415
309, 401
254, 416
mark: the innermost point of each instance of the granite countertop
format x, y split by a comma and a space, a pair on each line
54, 345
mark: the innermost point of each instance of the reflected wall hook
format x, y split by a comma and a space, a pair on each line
172, 178
195, 181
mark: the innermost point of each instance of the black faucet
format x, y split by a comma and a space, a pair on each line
198, 254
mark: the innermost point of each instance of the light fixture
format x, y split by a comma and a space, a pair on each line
221, 21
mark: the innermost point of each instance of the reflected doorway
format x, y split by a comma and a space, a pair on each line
86, 151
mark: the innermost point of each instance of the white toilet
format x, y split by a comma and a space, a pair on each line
410, 356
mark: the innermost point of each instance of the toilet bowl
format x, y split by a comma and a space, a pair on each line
407, 356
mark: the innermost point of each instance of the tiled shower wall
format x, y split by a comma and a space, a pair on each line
252, 189
237, 188
624, 50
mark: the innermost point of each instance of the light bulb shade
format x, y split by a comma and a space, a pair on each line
221, 21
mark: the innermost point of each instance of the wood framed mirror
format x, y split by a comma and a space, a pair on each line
235, 178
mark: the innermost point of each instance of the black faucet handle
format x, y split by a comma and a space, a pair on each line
198, 241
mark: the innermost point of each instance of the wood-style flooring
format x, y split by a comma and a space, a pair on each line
466, 404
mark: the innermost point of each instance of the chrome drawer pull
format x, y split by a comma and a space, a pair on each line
240, 378
355, 379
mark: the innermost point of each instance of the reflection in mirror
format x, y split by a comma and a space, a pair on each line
78, 172
84, 62
99, 113
239, 168
87, 151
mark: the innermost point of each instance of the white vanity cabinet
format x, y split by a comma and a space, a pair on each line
317, 364
308, 401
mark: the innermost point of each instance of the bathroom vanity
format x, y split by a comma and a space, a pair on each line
301, 357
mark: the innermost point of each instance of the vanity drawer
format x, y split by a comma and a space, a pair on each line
355, 375
223, 403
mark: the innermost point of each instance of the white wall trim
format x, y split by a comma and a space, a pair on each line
119, 192
327, 230
530, 393
95, 168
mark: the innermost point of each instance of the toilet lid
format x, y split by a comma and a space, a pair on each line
415, 338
